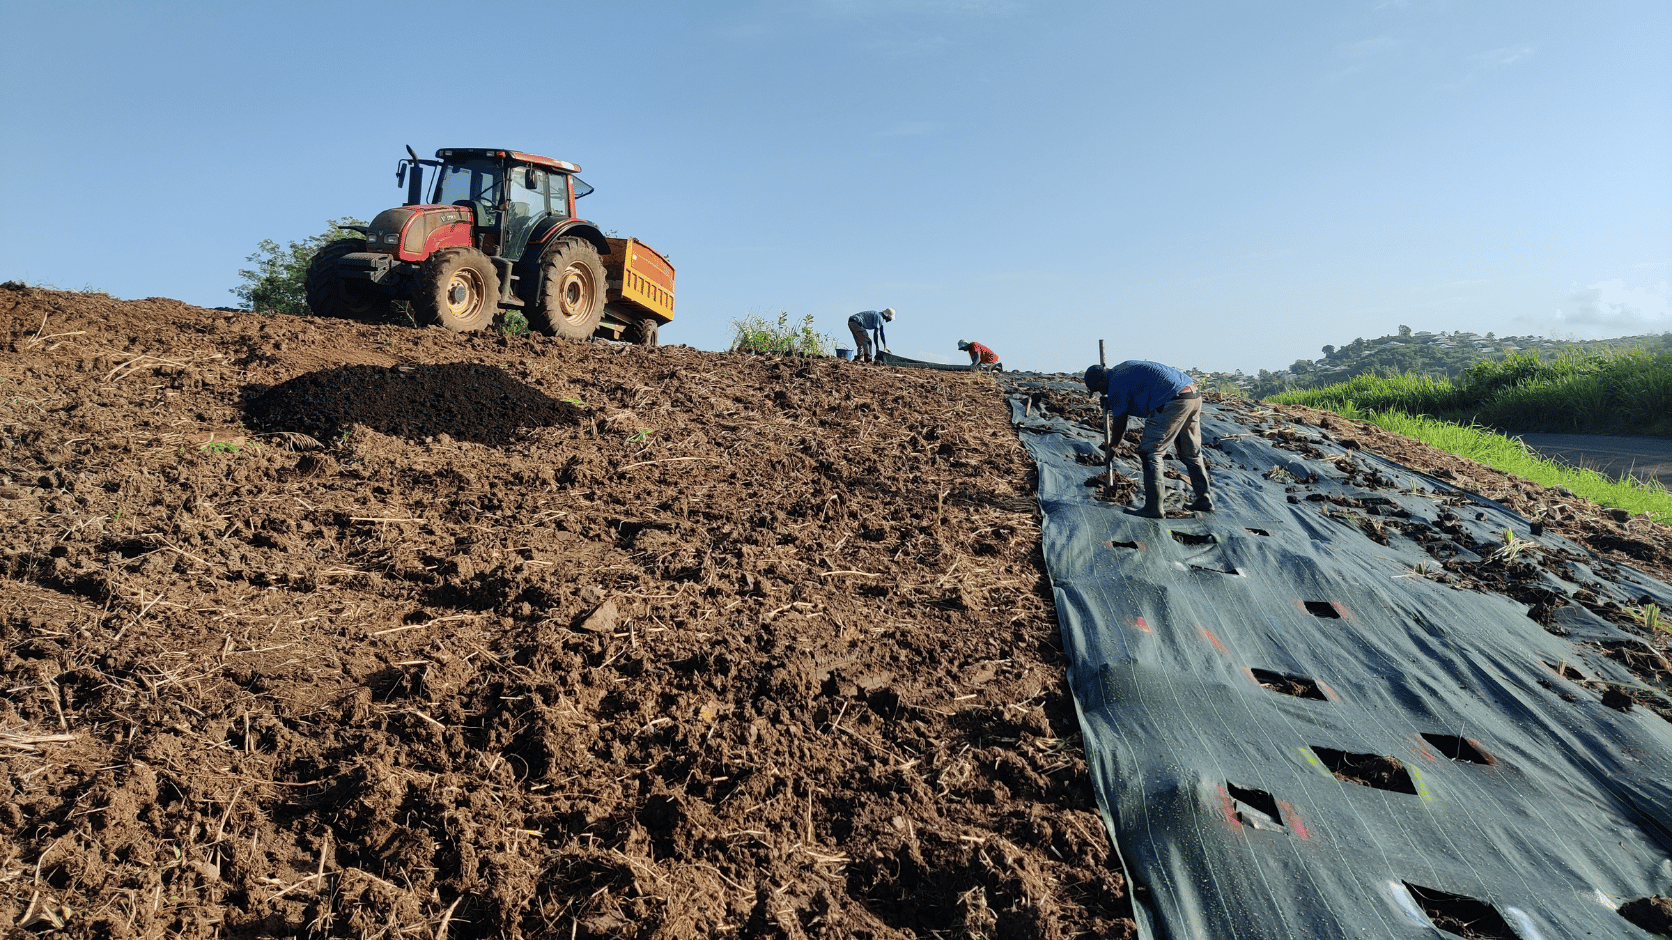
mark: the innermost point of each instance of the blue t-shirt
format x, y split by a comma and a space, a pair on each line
869, 319
1136, 387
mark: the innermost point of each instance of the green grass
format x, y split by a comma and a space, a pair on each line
1410, 394
1613, 392
1627, 392
755, 333
513, 322
1510, 455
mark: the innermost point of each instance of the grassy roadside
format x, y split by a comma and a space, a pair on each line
1627, 392
1512, 456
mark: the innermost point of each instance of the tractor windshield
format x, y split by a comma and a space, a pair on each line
471, 182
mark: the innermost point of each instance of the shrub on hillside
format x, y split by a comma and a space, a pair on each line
754, 333
277, 283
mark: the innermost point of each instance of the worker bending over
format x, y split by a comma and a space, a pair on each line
1171, 407
981, 357
869, 320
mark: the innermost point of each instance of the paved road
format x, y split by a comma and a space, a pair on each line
1640, 456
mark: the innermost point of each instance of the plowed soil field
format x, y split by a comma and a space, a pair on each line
324, 629
313, 628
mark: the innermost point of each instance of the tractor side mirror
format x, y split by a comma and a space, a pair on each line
400, 174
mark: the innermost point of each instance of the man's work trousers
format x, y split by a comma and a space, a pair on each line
1177, 424
861, 340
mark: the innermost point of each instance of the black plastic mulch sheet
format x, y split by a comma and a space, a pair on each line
889, 359
1296, 731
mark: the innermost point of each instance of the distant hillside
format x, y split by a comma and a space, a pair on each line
1434, 355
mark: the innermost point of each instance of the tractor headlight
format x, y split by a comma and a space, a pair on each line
391, 238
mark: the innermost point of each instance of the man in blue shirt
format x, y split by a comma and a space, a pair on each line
1171, 407
866, 320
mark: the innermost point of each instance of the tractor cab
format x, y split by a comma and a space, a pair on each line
511, 195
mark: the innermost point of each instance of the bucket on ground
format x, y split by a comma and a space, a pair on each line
843, 353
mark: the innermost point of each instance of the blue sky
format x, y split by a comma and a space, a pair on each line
1219, 185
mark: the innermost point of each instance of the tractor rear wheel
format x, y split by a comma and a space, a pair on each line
458, 289
571, 290
331, 296
646, 330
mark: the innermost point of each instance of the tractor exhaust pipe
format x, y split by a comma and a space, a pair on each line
415, 185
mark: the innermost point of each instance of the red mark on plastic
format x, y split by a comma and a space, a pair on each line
1142, 625
1214, 640
1422, 748
1227, 807
1293, 820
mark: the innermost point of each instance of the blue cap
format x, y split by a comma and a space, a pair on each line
1094, 379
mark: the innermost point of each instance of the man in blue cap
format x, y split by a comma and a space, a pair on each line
1171, 407
869, 320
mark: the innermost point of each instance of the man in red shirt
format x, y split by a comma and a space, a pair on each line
981, 357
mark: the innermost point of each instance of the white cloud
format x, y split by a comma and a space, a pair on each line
1366, 48
1504, 57
1610, 308
1355, 57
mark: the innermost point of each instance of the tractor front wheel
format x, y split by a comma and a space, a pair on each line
458, 289
331, 296
571, 290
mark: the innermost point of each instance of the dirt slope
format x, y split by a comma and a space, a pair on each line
302, 635
725, 646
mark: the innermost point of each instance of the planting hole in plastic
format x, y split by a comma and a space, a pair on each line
1255, 808
1186, 538
1323, 609
1134, 545
1653, 913
1461, 915
1230, 571
1459, 748
1367, 770
1298, 686
1566, 671
1260, 532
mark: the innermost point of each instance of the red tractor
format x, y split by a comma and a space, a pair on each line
499, 232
